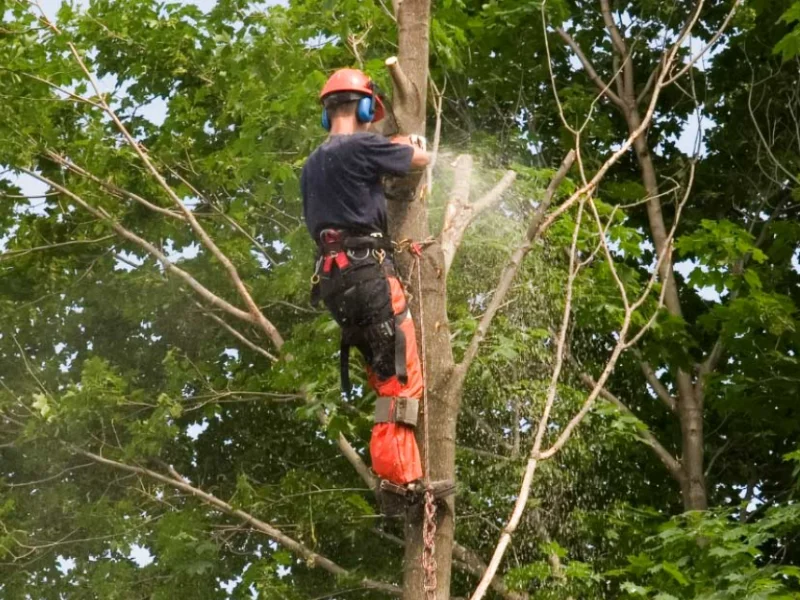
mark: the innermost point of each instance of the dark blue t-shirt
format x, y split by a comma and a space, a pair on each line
341, 182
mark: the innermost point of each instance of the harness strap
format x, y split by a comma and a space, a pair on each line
400, 368
396, 409
344, 367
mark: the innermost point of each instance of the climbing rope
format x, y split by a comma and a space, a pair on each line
429, 565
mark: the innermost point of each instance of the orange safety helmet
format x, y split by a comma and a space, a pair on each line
353, 80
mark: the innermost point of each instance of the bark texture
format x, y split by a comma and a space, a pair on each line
408, 219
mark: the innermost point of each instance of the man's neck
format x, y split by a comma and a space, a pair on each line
346, 126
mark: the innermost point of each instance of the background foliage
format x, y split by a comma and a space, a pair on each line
100, 349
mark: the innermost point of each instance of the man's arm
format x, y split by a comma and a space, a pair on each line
421, 158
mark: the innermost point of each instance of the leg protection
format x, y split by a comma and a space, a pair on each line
393, 447
370, 306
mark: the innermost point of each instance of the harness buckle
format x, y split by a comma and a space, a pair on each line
330, 236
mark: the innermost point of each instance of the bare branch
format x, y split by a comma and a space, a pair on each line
670, 462
176, 481
110, 187
708, 46
623, 343
537, 455
220, 321
659, 388
388, 12
405, 90
533, 460
460, 213
204, 292
535, 229
604, 87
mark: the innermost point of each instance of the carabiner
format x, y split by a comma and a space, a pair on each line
351, 254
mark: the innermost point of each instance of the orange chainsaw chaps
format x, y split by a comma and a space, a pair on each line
393, 447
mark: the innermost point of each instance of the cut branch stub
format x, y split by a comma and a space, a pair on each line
460, 213
407, 101
403, 111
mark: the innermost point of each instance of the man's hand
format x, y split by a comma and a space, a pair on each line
420, 144
418, 141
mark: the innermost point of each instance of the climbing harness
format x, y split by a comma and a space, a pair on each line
360, 261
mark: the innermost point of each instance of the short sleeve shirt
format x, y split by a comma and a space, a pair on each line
341, 182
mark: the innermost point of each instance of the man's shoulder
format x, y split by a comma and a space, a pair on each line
369, 138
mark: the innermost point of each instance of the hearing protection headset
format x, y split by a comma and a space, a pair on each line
361, 87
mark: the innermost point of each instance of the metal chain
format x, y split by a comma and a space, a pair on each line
429, 565
429, 550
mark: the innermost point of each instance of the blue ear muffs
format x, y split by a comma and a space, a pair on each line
366, 109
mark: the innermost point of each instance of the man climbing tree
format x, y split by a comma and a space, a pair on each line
345, 211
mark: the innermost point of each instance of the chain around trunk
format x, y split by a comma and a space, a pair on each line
429, 565
429, 551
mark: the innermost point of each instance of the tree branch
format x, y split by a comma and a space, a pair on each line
229, 219
537, 455
254, 347
616, 36
670, 462
110, 187
535, 229
707, 47
257, 316
312, 558
406, 93
534, 458
649, 84
659, 388
460, 213
353, 457
604, 87
101, 214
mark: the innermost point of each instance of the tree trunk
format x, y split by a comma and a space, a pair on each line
690, 403
409, 220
